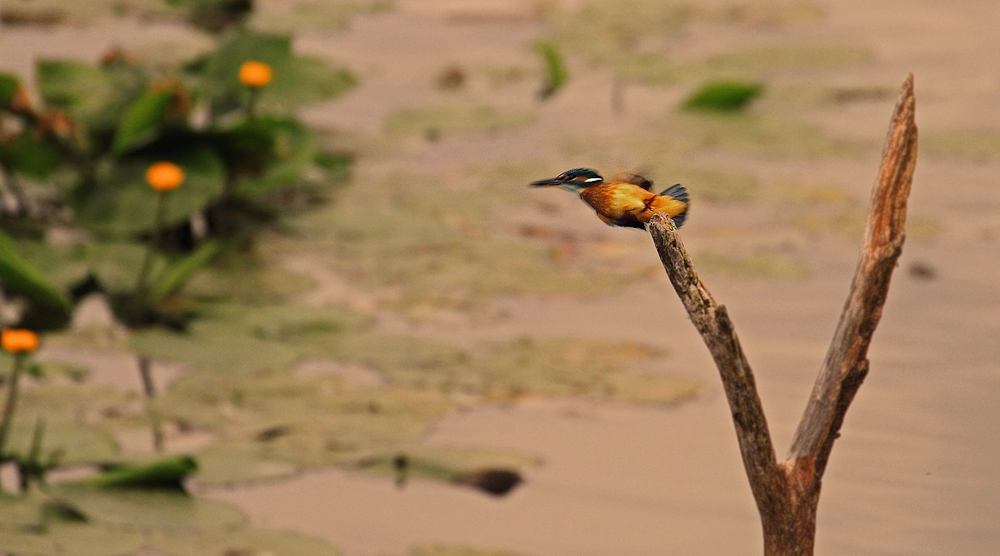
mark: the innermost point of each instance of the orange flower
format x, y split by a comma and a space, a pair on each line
255, 74
18, 340
164, 176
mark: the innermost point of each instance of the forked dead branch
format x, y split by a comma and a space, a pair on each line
787, 492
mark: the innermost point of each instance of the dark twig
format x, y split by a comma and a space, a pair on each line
787, 493
11, 403
149, 388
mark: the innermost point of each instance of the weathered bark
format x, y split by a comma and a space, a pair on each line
787, 493
846, 364
712, 322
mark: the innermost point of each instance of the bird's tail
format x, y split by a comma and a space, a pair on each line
678, 193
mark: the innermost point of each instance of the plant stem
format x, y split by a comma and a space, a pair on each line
146, 372
141, 286
252, 102
10, 405
31, 467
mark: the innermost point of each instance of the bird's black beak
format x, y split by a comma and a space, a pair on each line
545, 183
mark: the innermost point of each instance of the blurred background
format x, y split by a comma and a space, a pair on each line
294, 295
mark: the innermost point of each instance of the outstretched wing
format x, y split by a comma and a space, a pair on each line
635, 179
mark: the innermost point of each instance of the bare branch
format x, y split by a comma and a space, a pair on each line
712, 321
845, 365
787, 494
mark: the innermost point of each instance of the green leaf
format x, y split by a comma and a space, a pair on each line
96, 97
297, 80
30, 154
178, 274
71, 86
167, 473
723, 96
555, 68
293, 150
142, 120
304, 81
247, 148
124, 203
221, 69
8, 87
18, 276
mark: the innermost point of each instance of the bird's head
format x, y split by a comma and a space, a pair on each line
574, 180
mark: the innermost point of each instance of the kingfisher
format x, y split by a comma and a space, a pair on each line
626, 201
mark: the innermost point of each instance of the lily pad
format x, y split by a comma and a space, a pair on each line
760, 264
452, 550
252, 338
758, 134
150, 510
21, 513
76, 443
224, 465
979, 145
446, 251
557, 367
313, 15
243, 541
646, 388
790, 57
454, 120
80, 539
